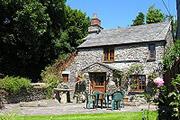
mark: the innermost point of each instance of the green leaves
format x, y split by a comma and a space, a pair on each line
171, 55
34, 33
139, 20
154, 15
170, 98
14, 85
32, 19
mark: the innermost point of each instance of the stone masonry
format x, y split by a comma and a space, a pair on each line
124, 57
131, 46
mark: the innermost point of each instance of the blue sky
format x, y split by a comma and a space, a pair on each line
114, 13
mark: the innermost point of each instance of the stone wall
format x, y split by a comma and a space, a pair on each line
125, 56
138, 53
84, 58
24, 96
96, 68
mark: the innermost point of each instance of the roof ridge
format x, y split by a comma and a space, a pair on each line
124, 28
133, 34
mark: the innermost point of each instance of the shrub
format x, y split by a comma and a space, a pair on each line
14, 85
169, 105
172, 54
51, 81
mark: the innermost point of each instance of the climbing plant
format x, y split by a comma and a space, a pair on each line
172, 54
118, 75
126, 74
169, 105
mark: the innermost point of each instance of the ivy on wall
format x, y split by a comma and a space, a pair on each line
122, 77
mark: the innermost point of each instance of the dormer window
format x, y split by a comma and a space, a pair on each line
108, 54
152, 51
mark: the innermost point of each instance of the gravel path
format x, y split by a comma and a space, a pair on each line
45, 107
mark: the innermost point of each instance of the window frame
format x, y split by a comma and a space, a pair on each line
140, 81
152, 52
108, 54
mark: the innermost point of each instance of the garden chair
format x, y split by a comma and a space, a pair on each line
117, 100
96, 97
107, 100
90, 102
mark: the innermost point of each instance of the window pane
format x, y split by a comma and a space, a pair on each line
108, 54
152, 51
105, 55
112, 55
138, 82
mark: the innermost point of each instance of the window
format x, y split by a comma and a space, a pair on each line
65, 78
109, 54
138, 82
152, 51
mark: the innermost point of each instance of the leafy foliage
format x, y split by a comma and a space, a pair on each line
14, 85
34, 33
171, 55
8, 116
52, 81
139, 20
151, 88
154, 15
125, 75
169, 105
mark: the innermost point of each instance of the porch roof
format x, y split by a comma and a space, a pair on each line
101, 64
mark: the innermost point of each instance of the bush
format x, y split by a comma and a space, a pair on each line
169, 105
51, 81
172, 54
14, 85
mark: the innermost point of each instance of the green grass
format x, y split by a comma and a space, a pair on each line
103, 116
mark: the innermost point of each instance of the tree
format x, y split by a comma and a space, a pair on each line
76, 26
139, 20
154, 15
33, 34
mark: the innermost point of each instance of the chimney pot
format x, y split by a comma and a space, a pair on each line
95, 25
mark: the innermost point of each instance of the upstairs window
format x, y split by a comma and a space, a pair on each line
152, 51
108, 54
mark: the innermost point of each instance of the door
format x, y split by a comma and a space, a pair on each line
98, 81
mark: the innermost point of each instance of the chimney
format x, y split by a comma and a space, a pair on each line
95, 26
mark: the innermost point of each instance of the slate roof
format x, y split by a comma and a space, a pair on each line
134, 34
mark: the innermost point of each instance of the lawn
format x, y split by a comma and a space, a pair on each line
104, 116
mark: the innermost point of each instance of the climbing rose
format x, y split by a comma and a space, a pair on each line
159, 82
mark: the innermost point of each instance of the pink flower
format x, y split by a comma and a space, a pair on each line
159, 81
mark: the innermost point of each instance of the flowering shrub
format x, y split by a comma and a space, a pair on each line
159, 82
169, 105
152, 91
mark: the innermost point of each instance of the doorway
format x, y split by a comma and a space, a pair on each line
97, 81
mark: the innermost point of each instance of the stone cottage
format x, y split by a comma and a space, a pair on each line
106, 51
